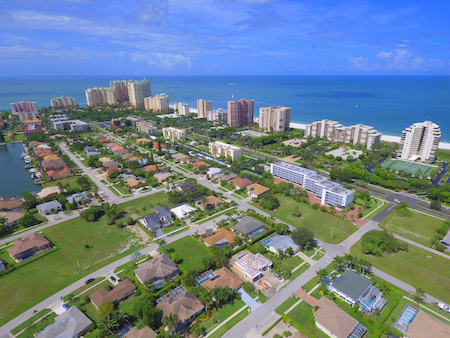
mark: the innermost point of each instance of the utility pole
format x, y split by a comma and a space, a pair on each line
332, 228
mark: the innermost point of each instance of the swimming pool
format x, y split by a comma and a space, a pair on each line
405, 319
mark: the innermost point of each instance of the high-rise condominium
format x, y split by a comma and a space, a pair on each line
276, 119
240, 113
420, 141
159, 102
63, 102
203, 106
336, 132
138, 91
182, 108
120, 89
24, 106
100, 96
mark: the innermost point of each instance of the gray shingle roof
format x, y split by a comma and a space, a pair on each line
44, 207
249, 225
283, 242
352, 284
154, 220
158, 268
67, 325
77, 197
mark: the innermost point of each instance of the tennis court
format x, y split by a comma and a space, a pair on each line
409, 167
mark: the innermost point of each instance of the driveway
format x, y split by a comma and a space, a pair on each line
253, 304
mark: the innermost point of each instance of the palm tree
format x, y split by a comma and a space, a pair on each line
384, 289
205, 297
171, 321
161, 242
149, 285
290, 251
339, 262
350, 260
217, 294
3, 220
419, 294
322, 274
204, 201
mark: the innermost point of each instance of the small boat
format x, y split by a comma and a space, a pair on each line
27, 160
28, 166
23, 154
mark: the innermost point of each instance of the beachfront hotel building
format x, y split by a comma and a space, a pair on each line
158, 102
100, 96
240, 113
63, 102
336, 132
24, 106
135, 94
26, 115
203, 106
216, 115
182, 108
120, 89
420, 141
174, 134
219, 149
330, 193
276, 119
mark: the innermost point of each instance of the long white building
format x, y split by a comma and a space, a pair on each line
330, 193
63, 102
216, 115
276, 119
420, 141
174, 134
218, 149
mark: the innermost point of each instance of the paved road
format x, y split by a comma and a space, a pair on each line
435, 182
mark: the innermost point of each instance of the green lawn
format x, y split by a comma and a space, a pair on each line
227, 187
223, 313
315, 220
58, 269
190, 251
286, 305
302, 313
31, 330
228, 325
419, 228
417, 267
30, 321
72, 181
371, 216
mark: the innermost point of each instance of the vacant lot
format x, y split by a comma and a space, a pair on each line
319, 222
34, 282
419, 228
190, 251
417, 267
72, 181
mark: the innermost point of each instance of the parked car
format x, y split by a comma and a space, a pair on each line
396, 201
446, 245
90, 280
112, 278
65, 307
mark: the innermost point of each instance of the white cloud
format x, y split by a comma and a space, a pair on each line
384, 54
164, 60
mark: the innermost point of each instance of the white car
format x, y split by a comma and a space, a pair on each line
396, 201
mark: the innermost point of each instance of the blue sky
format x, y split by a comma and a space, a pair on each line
203, 37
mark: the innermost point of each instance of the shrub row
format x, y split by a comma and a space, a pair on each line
260, 237
271, 326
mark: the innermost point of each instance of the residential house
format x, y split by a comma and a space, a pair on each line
250, 227
223, 277
118, 150
240, 182
49, 191
161, 218
71, 323
163, 176
221, 238
121, 291
253, 266
180, 157
10, 204
127, 156
111, 145
143, 141
199, 163
353, 289
132, 136
134, 183
213, 172
211, 202
12, 217
103, 140
415, 323
145, 332
49, 208
111, 164
186, 188
335, 322
79, 197
183, 211
55, 164
185, 306
152, 167
136, 158
91, 151
28, 246
114, 168
58, 137
277, 242
59, 173
256, 190
158, 270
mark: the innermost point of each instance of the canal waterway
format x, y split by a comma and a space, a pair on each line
14, 178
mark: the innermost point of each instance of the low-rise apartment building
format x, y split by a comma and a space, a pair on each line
217, 115
330, 193
219, 149
174, 134
146, 127
74, 125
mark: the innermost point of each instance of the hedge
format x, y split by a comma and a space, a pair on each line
271, 326
298, 326
235, 251
260, 237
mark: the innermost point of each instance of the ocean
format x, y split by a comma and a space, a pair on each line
388, 103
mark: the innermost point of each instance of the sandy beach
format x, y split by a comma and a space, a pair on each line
388, 138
